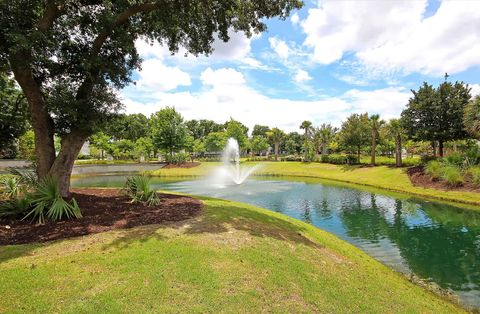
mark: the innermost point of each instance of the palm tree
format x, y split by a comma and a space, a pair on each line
375, 125
327, 133
277, 136
396, 131
306, 126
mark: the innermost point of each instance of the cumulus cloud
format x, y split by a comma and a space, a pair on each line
295, 18
280, 47
154, 75
396, 34
226, 94
302, 76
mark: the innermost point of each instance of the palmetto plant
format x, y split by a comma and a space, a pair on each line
11, 187
47, 203
138, 189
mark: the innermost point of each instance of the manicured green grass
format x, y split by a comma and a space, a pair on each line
383, 177
233, 258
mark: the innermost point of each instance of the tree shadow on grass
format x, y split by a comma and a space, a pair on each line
221, 217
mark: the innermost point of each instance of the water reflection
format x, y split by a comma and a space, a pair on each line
435, 241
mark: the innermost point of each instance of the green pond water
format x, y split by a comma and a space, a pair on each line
437, 242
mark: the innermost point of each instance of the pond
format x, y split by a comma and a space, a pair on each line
437, 242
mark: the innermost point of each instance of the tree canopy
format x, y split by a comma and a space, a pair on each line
70, 57
169, 132
436, 114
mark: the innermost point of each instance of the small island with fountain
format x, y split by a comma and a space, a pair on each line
173, 157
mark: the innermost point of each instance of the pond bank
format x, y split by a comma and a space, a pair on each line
382, 177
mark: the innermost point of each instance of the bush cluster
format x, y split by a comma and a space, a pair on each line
339, 159
456, 168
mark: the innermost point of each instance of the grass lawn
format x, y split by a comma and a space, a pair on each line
383, 177
233, 258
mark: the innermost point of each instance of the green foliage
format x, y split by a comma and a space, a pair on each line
11, 187
471, 117
143, 146
215, 141
177, 158
292, 158
474, 173
102, 142
15, 207
260, 130
436, 114
170, 134
337, 159
13, 116
47, 203
355, 132
138, 189
259, 144
129, 127
238, 131
26, 145
434, 169
452, 175
199, 129
308, 152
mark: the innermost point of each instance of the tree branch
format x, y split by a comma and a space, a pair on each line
119, 20
52, 12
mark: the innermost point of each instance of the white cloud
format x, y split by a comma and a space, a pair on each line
154, 75
396, 35
280, 47
295, 18
475, 89
302, 76
226, 94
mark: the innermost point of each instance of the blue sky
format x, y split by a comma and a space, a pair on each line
328, 60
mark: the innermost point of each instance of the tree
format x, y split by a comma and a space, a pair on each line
260, 130
375, 125
259, 144
326, 134
13, 116
355, 132
294, 141
169, 132
215, 141
436, 114
101, 141
70, 57
129, 127
396, 131
277, 136
26, 145
238, 131
471, 117
201, 128
143, 146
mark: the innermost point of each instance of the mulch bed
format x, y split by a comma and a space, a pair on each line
102, 210
418, 177
184, 165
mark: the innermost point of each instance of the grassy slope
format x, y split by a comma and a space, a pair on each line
232, 257
389, 178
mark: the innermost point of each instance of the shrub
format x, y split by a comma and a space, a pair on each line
452, 175
425, 159
455, 159
46, 202
16, 207
291, 158
11, 187
474, 173
178, 158
138, 189
434, 169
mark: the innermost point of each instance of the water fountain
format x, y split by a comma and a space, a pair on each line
231, 172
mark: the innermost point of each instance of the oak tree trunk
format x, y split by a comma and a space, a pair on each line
440, 148
276, 151
62, 167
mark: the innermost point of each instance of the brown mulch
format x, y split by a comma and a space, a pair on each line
102, 210
418, 177
184, 165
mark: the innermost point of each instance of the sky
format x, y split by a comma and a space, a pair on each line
326, 61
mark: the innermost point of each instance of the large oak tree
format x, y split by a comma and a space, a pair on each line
69, 57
